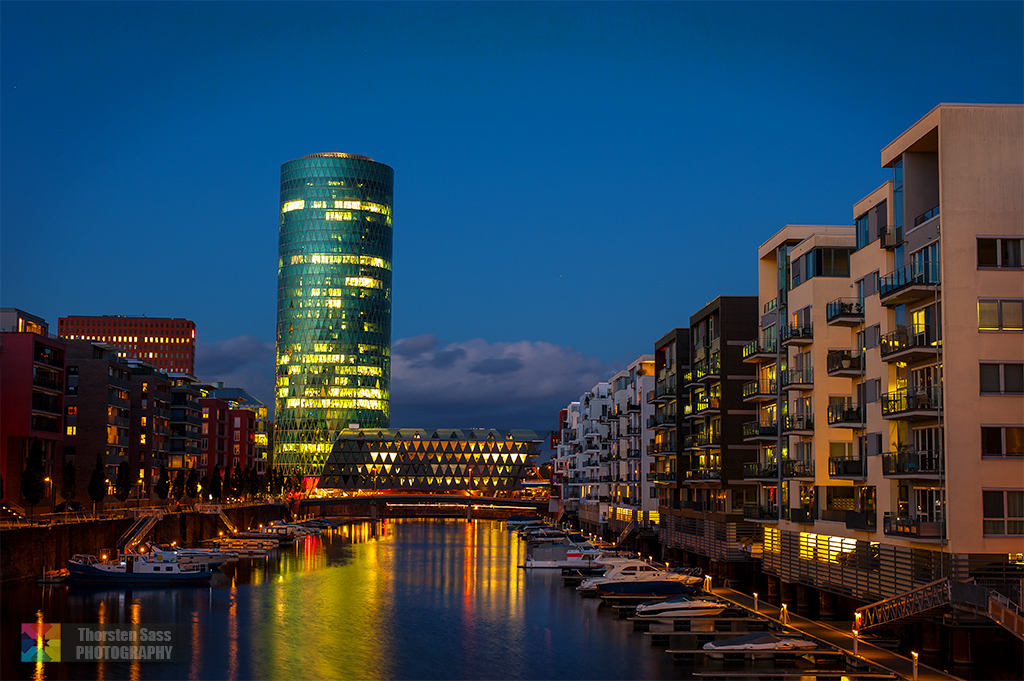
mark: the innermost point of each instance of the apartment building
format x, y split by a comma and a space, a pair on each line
149, 433
167, 343
595, 449
708, 522
629, 490
98, 401
906, 391
669, 422
32, 394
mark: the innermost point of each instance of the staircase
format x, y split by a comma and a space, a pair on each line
946, 595
218, 510
143, 524
624, 535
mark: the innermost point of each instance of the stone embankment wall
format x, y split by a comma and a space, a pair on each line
25, 552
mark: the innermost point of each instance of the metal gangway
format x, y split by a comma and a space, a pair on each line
218, 510
145, 521
624, 535
945, 594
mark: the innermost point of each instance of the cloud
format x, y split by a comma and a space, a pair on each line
479, 384
240, 362
437, 384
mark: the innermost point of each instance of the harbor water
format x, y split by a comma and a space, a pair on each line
409, 599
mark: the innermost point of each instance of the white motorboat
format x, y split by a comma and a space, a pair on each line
680, 606
568, 556
634, 570
187, 556
758, 642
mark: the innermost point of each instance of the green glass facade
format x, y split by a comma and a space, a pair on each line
333, 305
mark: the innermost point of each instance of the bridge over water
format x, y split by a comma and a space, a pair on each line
422, 505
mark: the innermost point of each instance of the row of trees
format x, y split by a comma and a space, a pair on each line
233, 483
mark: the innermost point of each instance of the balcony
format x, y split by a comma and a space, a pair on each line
844, 363
661, 421
804, 516
690, 379
759, 391
849, 469
888, 237
759, 350
708, 439
797, 334
632, 405
797, 468
704, 405
923, 403
662, 476
798, 379
798, 423
632, 453
754, 431
909, 344
661, 448
914, 527
845, 312
704, 474
926, 216
845, 416
664, 391
908, 463
48, 381
689, 442
854, 520
708, 369
756, 470
758, 513
910, 283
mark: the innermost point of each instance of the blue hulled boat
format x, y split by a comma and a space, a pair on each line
136, 569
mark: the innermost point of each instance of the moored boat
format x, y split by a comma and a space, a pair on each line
645, 588
758, 642
135, 568
680, 606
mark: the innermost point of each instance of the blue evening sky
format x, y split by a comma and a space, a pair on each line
572, 180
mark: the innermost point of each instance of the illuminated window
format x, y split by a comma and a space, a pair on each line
72, 430
293, 205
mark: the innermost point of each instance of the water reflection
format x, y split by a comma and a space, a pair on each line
413, 599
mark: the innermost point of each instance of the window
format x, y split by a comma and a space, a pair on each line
1002, 441
1000, 315
142, 439
237, 436
1003, 511
999, 253
72, 411
1002, 379
72, 430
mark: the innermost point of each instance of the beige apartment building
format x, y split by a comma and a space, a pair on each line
891, 376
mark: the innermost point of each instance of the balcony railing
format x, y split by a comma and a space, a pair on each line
704, 474
762, 513
907, 338
914, 526
913, 275
703, 404
798, 377
844, 362
797, 333
753, 429
902, 401
848, 310
909, 462
797, 468
840, 467
760, 470
48, 381
926, 216
845, 415
759, 388
709, 367
792, 422
803, 515
660, 420
667, 389
759, 346
708, 439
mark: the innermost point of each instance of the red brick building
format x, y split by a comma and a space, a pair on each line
168, 344
228, 436
32, 379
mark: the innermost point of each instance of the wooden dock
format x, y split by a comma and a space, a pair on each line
841, 640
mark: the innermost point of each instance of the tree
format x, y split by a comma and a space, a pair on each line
178, 488
97, 483
216, 484
69, 483
229, 483
192, 484
204, 486
163, 485
123, 481
33, 477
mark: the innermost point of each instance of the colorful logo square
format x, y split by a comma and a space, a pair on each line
40, 642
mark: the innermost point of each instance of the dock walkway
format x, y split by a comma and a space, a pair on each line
839, 638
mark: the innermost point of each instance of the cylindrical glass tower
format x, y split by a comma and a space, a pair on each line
333, 305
